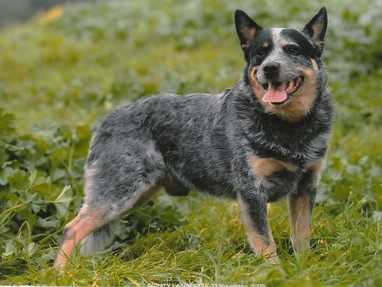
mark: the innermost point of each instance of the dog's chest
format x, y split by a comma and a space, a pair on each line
278, 178
268, 166
291, 151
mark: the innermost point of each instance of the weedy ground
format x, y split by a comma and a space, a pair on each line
66, 68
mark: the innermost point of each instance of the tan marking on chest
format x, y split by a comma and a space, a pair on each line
264, 167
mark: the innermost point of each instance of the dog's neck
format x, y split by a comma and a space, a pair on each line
248, 105
257, 123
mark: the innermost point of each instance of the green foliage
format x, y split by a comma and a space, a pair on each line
59, 75
39, 179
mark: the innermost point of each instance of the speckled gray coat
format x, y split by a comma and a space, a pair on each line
203, 141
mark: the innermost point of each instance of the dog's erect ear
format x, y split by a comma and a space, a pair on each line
246, 28
316, 29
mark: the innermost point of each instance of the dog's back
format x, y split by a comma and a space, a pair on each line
178, 142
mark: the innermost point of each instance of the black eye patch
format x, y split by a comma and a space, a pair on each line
260, 53
305, 47
292, 49
261, 46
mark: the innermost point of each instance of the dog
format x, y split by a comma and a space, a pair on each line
264, 139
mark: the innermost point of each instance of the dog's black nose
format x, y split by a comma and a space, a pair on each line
271, 70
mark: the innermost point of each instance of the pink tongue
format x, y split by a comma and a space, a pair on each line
273, 95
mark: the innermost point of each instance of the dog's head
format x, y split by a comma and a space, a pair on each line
283, 65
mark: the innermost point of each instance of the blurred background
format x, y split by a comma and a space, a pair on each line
15, 11
64, 64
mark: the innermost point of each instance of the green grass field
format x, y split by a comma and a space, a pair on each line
63, 70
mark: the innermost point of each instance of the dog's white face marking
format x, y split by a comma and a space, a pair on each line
278, 40
277, 55
276, 36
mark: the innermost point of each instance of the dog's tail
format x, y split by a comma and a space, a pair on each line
98, 240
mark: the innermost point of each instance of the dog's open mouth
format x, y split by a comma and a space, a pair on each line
278, 93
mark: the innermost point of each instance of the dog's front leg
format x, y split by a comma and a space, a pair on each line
301, 205
254, 215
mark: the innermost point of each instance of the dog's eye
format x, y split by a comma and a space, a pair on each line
292, 49
261, 52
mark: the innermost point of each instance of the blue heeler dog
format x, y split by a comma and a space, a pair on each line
261, 140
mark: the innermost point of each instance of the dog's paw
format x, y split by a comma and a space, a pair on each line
273, 260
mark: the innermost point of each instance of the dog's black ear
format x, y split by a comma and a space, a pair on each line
246, 28
316, 29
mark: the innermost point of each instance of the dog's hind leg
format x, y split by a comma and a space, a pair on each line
300, 208
85, 222
91, 223
114, 182
103, 236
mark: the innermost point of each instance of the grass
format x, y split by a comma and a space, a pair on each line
65, 69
